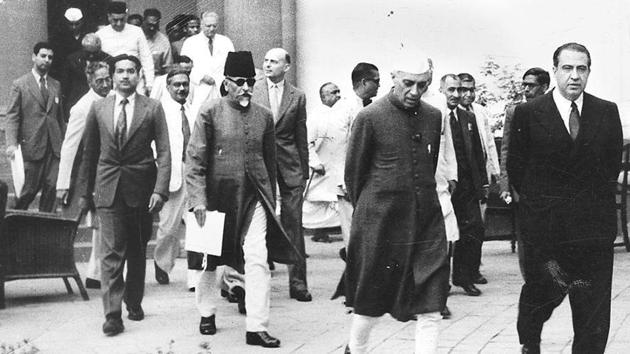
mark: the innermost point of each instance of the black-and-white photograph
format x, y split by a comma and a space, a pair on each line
314, 176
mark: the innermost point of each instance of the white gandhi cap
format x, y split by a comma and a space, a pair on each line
411, 61
73, 14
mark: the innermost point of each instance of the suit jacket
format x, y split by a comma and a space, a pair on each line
474, 152
566, 187
291, 136
30, 121
504, 182
131, 171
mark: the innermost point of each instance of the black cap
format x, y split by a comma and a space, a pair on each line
117, 7
239, 64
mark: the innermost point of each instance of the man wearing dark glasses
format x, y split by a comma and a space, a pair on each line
231, 168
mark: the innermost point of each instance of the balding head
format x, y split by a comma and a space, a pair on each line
91, 42
209, 23
277, 63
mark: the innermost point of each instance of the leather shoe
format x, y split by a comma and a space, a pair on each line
347, 350
160, 275
446, 313
136, 314
113, 326
207, 326
239, 294
530, 349
301, 295
480, 279
92, 283
470, 289
262, 338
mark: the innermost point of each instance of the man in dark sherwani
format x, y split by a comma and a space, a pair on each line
397, 253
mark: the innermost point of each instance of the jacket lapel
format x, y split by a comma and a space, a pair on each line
108, 105
287, 97
52, 94
589, 121
549, 117
139, 113
33, 86
464, 125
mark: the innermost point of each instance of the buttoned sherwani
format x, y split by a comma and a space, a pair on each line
397, 254
37, 126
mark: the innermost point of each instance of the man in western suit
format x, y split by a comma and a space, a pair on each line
35, 121
118, 165
288, 106
563, 160
471, 187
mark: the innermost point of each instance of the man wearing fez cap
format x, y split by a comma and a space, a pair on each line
231, 168
397, 253
117, 38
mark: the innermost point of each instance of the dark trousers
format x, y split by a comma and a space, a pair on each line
291, 199
467, 250
589, 271
40, 175
125, 232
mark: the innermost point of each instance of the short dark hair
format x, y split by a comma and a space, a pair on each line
321, 89
447, 76
542, 76
576, 47
182, 59
117, 7
362, 71
42, 45
116, 59
466, 77
287, 58
192, 18
175, 71
152, 12
135, 17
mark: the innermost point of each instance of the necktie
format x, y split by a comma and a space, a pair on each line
274, 102
43, 89
185, 132
210, 47
574, 121
121, 125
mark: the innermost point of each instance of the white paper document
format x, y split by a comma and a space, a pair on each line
17, 170
207, 239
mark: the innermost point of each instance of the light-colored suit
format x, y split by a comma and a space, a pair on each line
123, 180
38, 128
293, 169
171, 229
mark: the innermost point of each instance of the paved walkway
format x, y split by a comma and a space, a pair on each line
55, 322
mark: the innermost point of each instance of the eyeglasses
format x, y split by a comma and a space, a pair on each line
240, 82
376, 81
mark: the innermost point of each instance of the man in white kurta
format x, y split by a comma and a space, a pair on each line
179, 120
328, 128
120, 38
100, 84
208, 50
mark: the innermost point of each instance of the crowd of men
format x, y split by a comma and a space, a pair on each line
145, 123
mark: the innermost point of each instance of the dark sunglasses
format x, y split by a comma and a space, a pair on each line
240, 82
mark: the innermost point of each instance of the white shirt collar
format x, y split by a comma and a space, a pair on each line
131, 98
37, 76
564, 105
270, 84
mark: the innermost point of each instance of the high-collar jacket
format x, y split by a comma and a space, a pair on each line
291, 136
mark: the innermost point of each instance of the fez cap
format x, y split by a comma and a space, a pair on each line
73, 14
117, 7
239, 64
